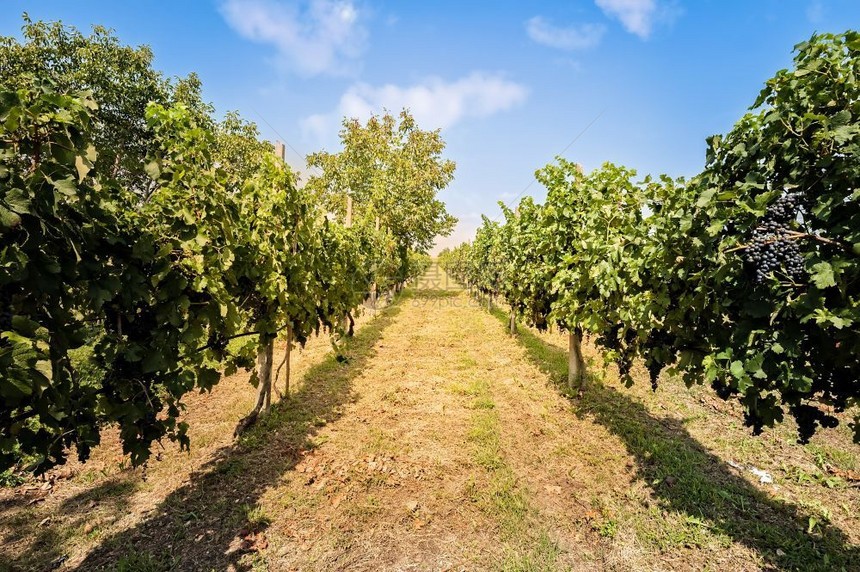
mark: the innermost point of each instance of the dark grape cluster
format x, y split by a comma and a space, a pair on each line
654, 369
657, 354
835, 384
722, 388
218, 343
5, 313
610, 338
624, 365
623, 344
772, 249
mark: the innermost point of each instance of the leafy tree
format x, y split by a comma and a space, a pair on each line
598, 237
484, 269
157, 287
273, 274
392, 171
456, 263
121, 79
168, 297
239, 150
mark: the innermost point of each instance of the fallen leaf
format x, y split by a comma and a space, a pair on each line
847, 475
238, 544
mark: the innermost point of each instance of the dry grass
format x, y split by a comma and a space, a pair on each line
443, 443
658, 469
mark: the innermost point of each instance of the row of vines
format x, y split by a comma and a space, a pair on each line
147, 248
745, 277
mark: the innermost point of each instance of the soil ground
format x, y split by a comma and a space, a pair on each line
442, 442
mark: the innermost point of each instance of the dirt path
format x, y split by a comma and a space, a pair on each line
423, 451
431, 466
443, 443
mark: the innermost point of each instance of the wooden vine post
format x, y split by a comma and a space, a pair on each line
347, 224
575, 363
285, 363
513, 324
373, 287
266, 355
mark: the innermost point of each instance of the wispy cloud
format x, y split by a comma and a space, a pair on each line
572, 37
434, 103
311, 37
637, 16
815, 11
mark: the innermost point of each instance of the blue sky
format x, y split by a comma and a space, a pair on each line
510, 84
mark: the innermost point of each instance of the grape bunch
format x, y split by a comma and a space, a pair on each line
835, 383
654, 369
655, 351
5, 313
624, 364
722, 388
772, 249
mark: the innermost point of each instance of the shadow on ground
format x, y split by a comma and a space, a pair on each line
195, 526
705, 489
52, 530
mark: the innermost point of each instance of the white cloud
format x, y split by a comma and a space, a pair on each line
434, 103
565, 38
637, 16
312, 37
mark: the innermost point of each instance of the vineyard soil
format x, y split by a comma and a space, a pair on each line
444, 443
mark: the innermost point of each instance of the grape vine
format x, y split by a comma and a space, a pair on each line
745, 277
172, 247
